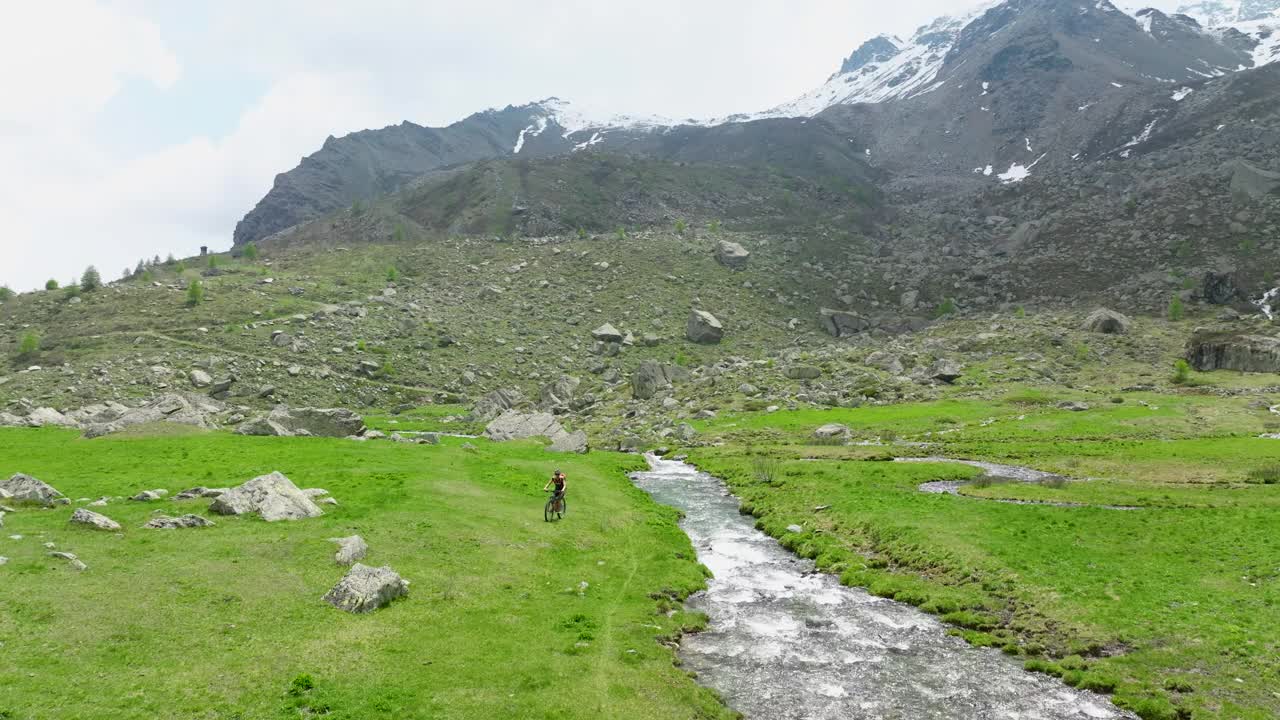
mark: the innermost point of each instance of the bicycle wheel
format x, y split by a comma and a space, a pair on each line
564, 508
548, 512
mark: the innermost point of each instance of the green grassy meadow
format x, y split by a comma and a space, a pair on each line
1173, 607
227, 622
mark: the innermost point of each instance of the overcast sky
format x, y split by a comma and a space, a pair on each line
130, 128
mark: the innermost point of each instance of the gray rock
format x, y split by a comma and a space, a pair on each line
94, 520
560, 394
71, 559
24, 488
4, 560
945, 370
732, 255
686, 432
273, 497
313, 422
804, 372
513, 425
192, 410
842, 323
1073, 406
794, 529
200, 379
703, 327
607, 333
1108, 322
832, 431
350, 549
365, 589
885, 361
652, 376
41, 417
199, 492
150, 495
165, 522
495, 403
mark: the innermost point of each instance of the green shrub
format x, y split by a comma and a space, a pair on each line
195, 293
681, 226
71, 291
1181, 685
250, 251
51, 284
1020, 312
29, 345
6, 293
947, 307
392, 274
1181, 372
180, 267
714, 226
582, 234
621, 233
213, 261
1176, 308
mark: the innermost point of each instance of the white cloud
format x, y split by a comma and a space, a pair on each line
68, 198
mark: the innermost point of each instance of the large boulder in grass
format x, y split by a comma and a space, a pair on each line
273, 497
350, 549
732, 255
24, 488
1107, 322
703, 328
365, 589
284, 421
94, 520
832, 431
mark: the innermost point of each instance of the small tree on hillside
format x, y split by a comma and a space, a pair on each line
1176, 309
392, 274
90, 280
250, 252
5, 293
51, 284
195, 293
142, 266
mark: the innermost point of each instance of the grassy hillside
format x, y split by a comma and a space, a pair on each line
507, 616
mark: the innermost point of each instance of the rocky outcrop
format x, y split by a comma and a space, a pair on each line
165, 522
1249, 182
193, 410
1107, 322
273, 497
1219, 289
94, 520
495, 403
350, 549
732, 255
1220, 350
365, 589
561, 395
842, 323
651, 377
24, 488
803, 372
703, 328
513, 425
310, 422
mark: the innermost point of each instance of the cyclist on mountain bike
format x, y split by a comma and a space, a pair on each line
558, 479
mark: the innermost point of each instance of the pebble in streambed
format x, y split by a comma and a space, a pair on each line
788, 643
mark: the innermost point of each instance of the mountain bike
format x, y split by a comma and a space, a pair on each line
555, 509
